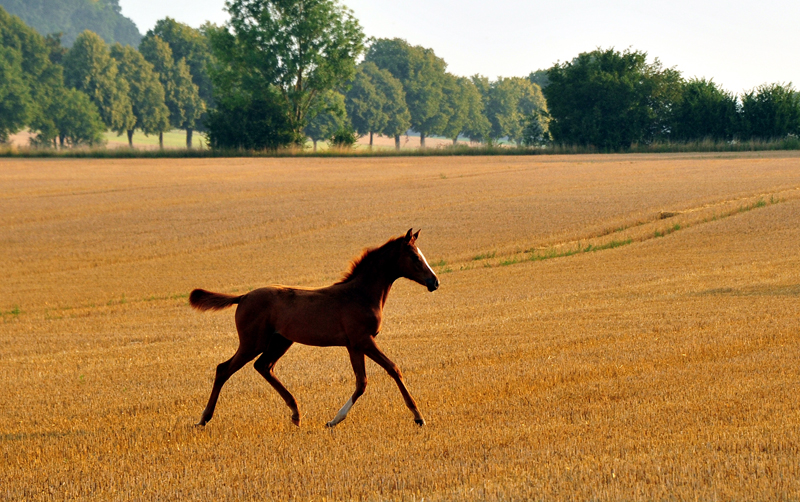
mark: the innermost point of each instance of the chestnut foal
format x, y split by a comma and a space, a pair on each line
269, 320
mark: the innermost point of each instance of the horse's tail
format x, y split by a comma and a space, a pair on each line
206, 300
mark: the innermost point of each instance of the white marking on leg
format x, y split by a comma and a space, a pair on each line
342, 413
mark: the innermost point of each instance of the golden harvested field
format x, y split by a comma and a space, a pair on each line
580, 347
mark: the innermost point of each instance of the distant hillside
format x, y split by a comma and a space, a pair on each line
71, 17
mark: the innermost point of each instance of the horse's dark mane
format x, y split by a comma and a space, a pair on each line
367, 258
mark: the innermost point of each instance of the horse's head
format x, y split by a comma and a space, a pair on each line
413, 265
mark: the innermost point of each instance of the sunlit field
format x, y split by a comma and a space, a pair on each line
172, 139
611, 327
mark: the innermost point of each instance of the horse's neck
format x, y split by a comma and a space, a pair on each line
376, 285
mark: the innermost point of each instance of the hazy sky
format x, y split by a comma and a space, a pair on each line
740, 44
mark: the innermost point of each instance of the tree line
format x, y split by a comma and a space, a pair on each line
70, 97
611, 100
284, 72
280, 73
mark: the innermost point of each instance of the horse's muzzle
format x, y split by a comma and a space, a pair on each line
432, 283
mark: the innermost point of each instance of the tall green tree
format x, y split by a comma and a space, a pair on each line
705, 111
145, 92
393, 102
77, 120
376, 103
48, 91
771, 111
535, 115
186, 95
502, 109
610, 99
364, 104
15, 99
28, 76
466, 114
89, 67
511, 104
194, 48
71, 120
330, 118
31, 82
289, 51
182, 95
422, 75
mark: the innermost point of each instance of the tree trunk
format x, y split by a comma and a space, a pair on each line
422, 140
455, 141
397, 142
130, 138
315, 145
188, 137
370, 140
161, 140
61, 139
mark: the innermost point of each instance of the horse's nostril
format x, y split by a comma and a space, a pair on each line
432, 283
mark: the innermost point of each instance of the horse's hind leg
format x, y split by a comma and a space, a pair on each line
265, 364
357, 360
224, 371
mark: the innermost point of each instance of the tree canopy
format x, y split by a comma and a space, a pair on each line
465, 110
704, 111
393, 100
145, 92
771, 111
422, 75
15, 98
89, 67
376, 102
250, 123
181, 94
77, 120
194, 48
30, 82
510, 102
329, 120
364, 104
610, 99
286, 52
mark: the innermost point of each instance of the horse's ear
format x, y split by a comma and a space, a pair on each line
416, 235
408, 236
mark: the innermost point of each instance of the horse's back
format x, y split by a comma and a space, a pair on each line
308, 316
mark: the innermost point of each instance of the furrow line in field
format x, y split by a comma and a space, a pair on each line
639, 231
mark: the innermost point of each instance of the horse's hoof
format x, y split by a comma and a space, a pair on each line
419, 421
296, 421
330, 425
200, 424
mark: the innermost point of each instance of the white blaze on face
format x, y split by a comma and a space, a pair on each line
419, 251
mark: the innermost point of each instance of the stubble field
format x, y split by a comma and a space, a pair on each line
607, 328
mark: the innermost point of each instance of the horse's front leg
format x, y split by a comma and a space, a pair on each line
393, 370
357, 360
